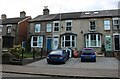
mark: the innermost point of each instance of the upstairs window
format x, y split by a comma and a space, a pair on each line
1, 28
106, 24
9, 29
116, 24
92, 25
49, 27
37, 28
56, 26
68, 25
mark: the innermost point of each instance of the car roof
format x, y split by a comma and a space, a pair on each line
88, 49
56, 52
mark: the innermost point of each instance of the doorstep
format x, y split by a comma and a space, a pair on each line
100, 55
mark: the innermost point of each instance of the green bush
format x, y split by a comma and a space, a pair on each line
16, 50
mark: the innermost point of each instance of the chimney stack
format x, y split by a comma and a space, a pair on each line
22, 14
46, 10
3, 16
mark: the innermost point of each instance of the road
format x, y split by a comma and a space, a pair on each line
104, 67
25, 76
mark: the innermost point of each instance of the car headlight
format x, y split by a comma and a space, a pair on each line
61, 57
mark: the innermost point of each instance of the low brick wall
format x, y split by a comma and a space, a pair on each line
117, 55
25, 61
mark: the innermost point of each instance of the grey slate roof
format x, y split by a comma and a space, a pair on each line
12, 20
44, 17
77, 15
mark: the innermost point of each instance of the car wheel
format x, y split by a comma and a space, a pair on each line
64, 61
82, 60
95, 60
48, 62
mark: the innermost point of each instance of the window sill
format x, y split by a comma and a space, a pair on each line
95, 46
56, 31
107, 30
93, 30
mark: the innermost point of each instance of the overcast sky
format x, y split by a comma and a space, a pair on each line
34, 8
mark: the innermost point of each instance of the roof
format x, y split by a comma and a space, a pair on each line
12, 20
43, 17
77, 15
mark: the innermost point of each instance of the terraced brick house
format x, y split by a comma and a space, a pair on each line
14, 30
76, 30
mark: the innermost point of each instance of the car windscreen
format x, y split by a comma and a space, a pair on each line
56, 52
88, 51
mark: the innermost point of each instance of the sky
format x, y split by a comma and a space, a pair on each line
33, 8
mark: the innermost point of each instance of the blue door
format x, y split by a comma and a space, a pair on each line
49, 44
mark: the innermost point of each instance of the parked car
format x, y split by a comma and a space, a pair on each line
57, 56
88, 54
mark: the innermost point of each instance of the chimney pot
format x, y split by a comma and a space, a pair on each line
46, 10
3, 16
22, 14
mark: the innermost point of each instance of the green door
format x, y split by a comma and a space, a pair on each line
108, 43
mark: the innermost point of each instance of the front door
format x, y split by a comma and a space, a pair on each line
117, 42
55, 43
49, 44
108, 43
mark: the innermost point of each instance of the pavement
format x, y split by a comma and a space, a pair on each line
104, 67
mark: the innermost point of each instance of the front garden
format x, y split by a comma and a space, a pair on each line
18, 55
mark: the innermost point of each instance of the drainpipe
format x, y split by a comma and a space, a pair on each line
0, 49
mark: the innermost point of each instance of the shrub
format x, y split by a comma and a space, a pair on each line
16, 50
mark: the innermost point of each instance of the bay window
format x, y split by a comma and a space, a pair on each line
93, 40
68, 41
37, 41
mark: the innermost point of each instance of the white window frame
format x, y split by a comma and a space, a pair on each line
92, 25
115, 28
114, 38
88, 41
9, 29
107, 26
39, 41
68, 26
56, 26
63, 41
1, 26
49, 27
37, 28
